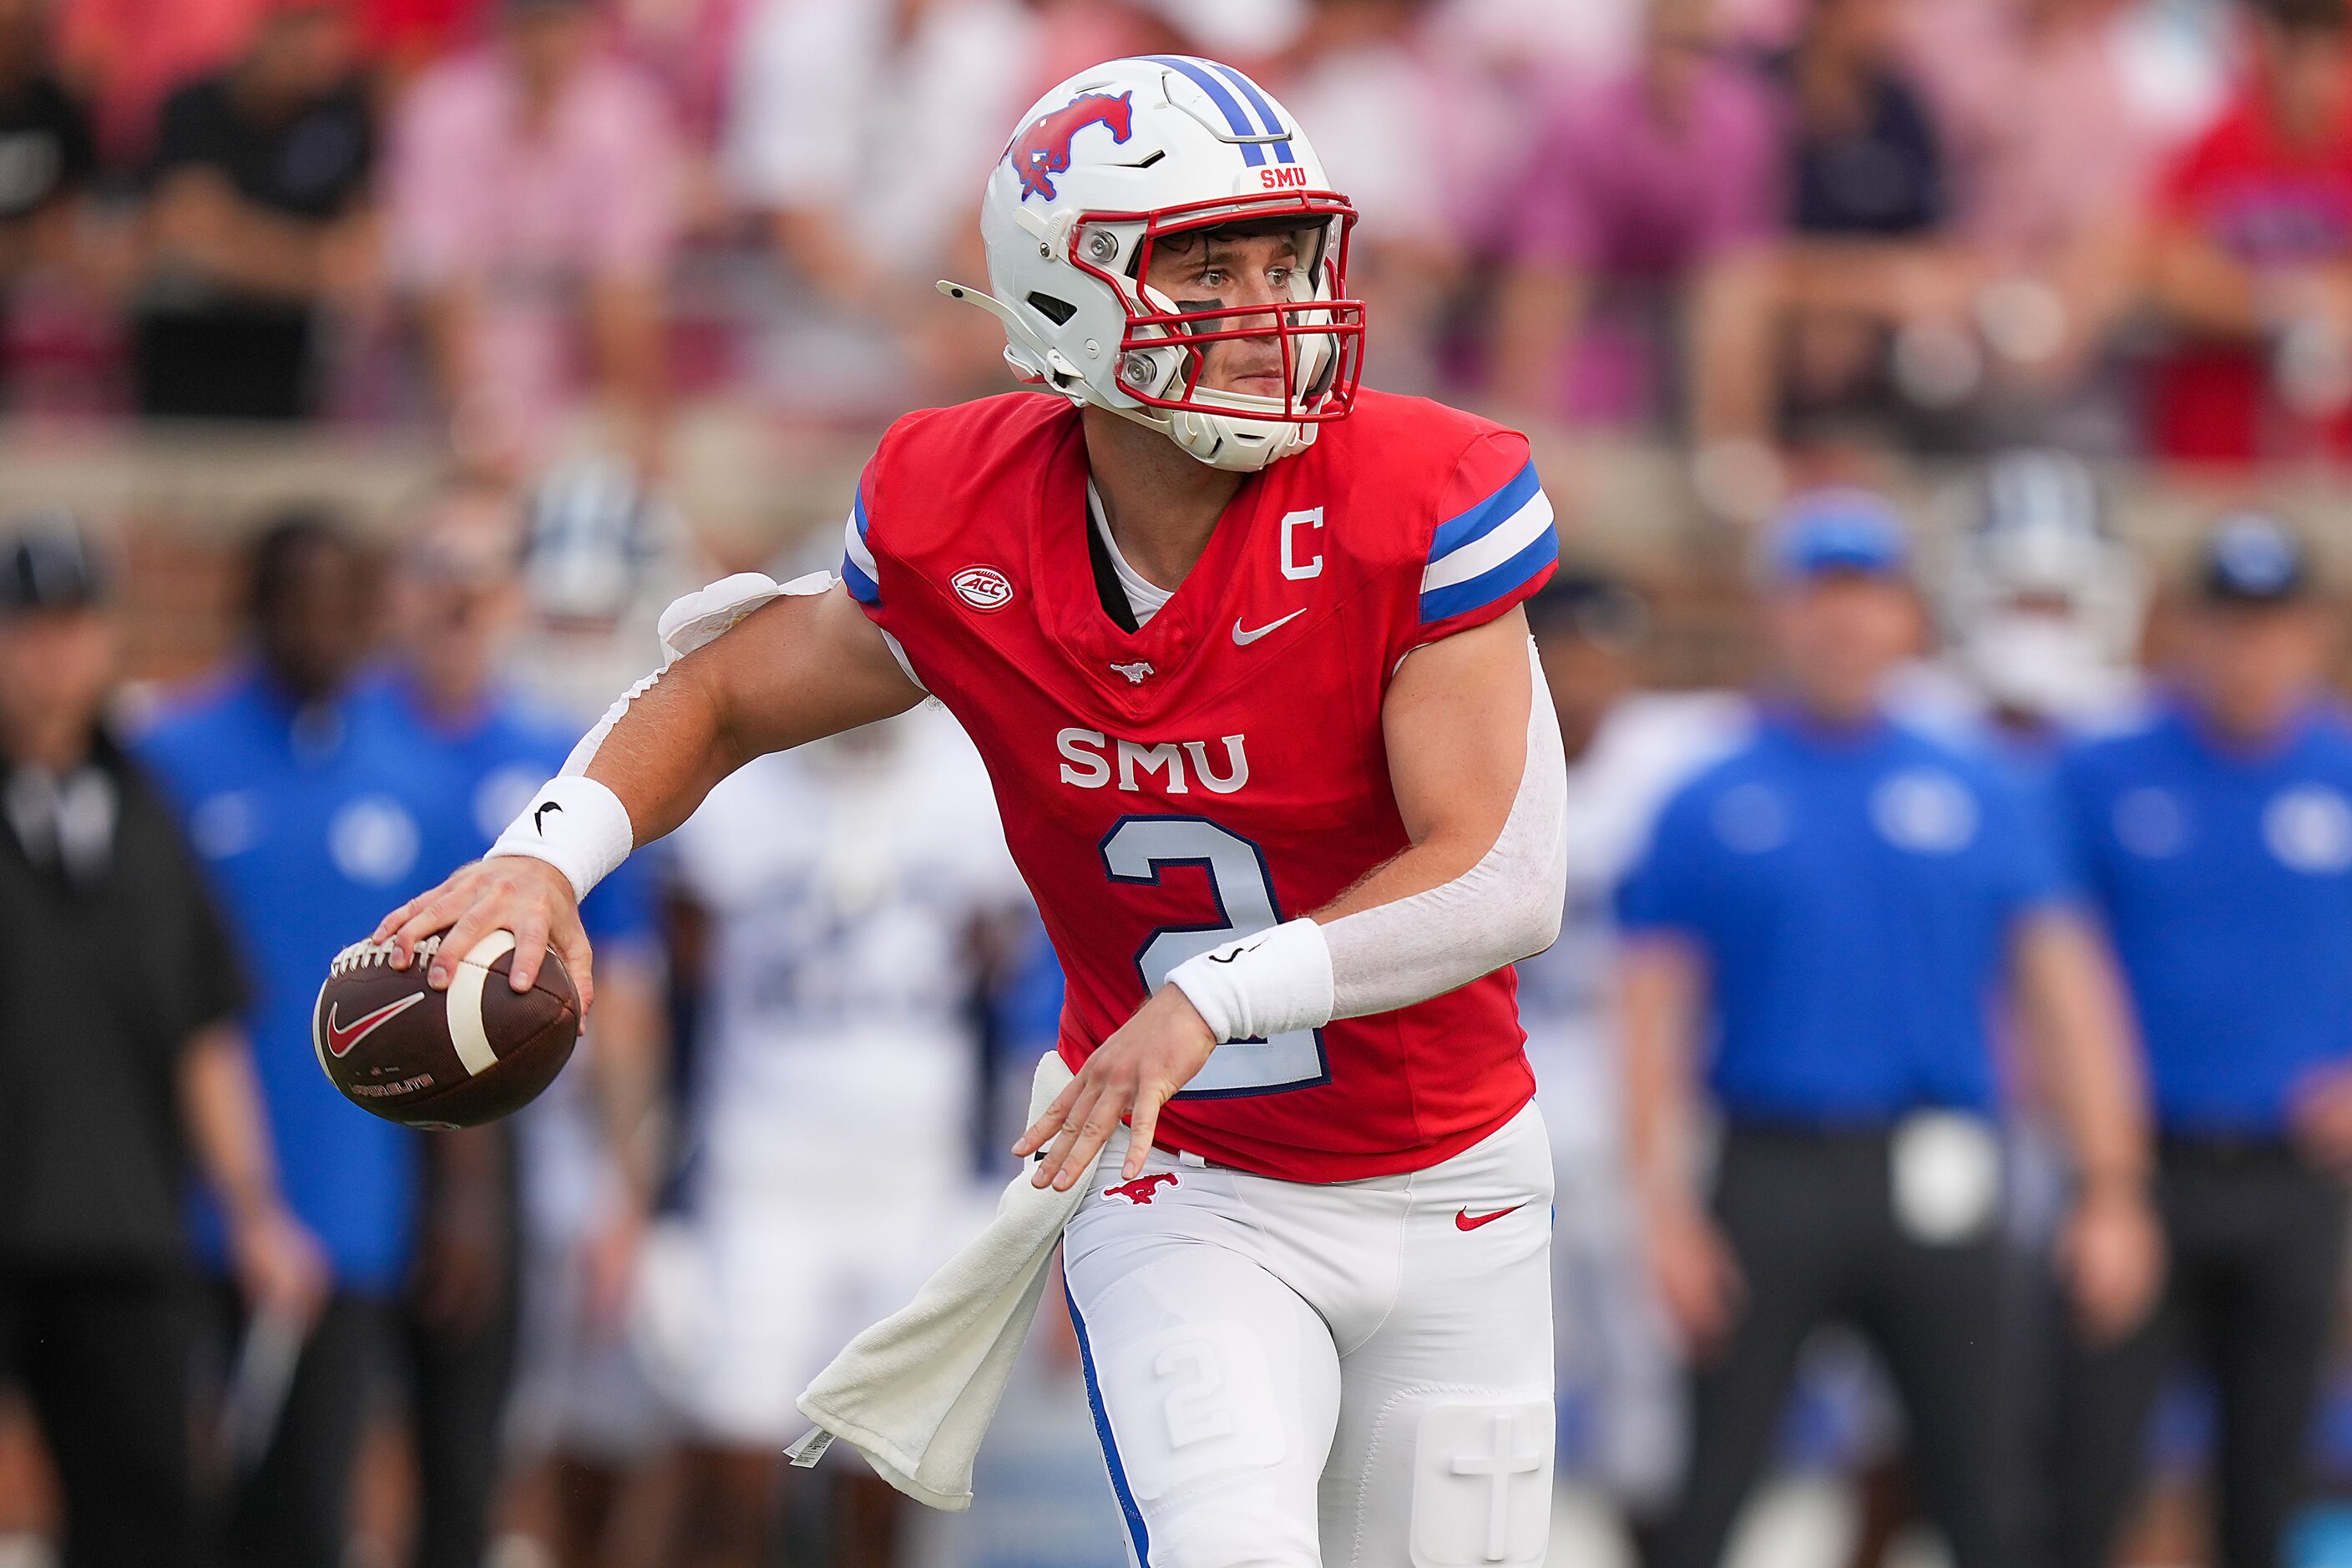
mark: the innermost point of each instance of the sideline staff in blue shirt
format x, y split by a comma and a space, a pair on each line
455, 600
2216, 839
1817, 927
309, 810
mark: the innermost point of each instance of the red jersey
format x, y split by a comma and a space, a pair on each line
2266, 202
1221, 769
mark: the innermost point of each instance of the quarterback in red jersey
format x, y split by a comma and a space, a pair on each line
1241, 645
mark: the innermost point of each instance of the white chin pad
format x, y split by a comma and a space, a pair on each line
1227, 441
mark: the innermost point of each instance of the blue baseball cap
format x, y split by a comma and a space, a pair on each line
1840, 529
2253, 558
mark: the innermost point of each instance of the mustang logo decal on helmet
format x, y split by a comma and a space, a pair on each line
1071, 278
1043, 150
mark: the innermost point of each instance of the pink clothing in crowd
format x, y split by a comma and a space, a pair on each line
2043, 132
476, 192
1613, 188
527, 214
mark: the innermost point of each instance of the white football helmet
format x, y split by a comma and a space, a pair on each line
2043, 604
1106, 166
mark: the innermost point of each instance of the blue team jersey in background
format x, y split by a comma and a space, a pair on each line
312, 826
1852, 896
2226, 882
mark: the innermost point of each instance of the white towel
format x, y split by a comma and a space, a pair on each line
915, 1392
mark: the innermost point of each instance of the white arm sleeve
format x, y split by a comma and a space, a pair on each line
1506, 907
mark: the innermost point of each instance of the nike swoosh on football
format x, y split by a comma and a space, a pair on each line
341, 1040
1465, 1220
1242, 638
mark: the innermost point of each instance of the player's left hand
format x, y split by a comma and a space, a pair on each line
2112, 1256
1131, 1075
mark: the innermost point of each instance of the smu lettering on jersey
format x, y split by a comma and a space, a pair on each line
1221, 769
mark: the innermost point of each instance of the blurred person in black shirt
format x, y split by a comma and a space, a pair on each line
120, 1058
1877, 288
258, 216
1865, 158
47, 156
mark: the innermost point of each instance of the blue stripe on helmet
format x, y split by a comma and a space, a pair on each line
1238, 121
1265, 113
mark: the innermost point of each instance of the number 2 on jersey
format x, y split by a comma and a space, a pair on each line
1136, 851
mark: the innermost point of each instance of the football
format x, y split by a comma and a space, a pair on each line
450, 1058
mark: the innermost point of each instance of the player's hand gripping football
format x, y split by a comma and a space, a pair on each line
513, 893
1132, 1075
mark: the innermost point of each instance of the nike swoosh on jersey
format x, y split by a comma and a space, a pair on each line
1465, 1220
1242, 638
339, 1040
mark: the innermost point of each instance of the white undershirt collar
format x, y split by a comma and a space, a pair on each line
1144, 597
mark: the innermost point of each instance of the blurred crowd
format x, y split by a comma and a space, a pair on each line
257, 1327
1768, 225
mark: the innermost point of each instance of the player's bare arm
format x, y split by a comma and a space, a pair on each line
798, 669
1662, 988
1456, 721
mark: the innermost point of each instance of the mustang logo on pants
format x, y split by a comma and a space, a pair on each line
1139, 1190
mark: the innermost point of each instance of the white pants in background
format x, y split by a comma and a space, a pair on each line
1357, 1375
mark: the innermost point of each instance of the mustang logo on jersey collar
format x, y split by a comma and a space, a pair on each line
1135, 673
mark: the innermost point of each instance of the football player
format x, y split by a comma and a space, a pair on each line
1242, 648
2041, 608
849, 889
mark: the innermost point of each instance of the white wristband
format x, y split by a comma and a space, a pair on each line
576, 825
1266, 983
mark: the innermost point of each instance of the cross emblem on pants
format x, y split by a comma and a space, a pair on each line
1499, 1466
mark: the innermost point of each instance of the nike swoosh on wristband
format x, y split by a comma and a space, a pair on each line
1242, 638
341, 1040
1465, 1220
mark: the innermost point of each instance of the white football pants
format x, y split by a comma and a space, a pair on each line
1357, 1375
